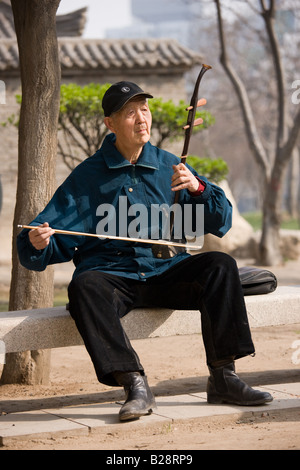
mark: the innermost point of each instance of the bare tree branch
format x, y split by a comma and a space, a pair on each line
285, 139
251, 130
268, 15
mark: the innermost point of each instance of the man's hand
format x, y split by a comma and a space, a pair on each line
183, 178
40, 237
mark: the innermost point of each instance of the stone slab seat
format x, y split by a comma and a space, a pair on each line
49, 328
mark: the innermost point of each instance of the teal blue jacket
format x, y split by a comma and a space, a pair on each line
102, 179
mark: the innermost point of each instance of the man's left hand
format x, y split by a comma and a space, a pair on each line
183, 178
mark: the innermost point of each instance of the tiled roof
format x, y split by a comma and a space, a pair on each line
7, 27
79, 55
125, 54
71, 24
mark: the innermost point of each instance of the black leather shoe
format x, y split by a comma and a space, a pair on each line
139, 399
224, 386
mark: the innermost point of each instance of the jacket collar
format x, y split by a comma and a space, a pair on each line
114, 159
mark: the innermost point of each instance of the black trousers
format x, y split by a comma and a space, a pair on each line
208, 282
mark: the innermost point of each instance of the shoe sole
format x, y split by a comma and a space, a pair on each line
137, 415
217, 401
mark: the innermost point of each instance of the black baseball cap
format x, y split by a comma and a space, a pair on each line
119, 94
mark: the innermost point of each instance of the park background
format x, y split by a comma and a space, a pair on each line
177, 36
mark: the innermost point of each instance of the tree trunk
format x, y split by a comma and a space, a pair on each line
293, 185
269, 247
40, 79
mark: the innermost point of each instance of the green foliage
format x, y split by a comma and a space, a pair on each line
81, 121
13, 119
82, 128
255, 219
82, 102
215, 170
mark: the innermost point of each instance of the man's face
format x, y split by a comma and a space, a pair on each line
132, 124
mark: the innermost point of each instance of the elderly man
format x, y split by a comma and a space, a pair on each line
113, 276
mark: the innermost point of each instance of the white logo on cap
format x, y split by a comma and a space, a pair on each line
125, 89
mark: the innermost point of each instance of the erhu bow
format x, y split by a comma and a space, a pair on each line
110, 237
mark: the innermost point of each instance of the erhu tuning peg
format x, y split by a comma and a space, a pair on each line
201, 102
197, 122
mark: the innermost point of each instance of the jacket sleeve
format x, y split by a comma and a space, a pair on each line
59, 213
217, 208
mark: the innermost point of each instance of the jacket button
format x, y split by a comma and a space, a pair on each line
130, 190
142, 274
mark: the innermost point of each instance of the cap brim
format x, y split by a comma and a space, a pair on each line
146, 95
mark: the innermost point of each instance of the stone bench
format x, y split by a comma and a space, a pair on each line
49, 328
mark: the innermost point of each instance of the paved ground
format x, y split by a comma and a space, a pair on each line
103, 418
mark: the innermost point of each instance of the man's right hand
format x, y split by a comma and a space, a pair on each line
40, 237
